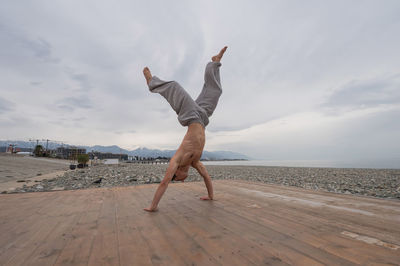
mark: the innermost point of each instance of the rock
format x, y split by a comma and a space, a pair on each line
20, 181
39, 187
378, 182
98, 181
38, 174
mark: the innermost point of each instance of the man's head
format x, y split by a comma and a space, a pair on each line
181, 173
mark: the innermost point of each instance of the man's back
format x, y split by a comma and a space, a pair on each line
192, 145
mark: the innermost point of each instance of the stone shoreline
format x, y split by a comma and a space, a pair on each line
384, 183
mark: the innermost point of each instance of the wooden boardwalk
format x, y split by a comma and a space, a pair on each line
248, 224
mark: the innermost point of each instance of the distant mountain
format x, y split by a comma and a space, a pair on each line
141, 152
111, 149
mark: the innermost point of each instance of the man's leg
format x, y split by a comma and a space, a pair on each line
177, 97
212, 90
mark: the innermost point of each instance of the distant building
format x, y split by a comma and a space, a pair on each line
10, 149
69, 152
25, 153
25, 149
111, 161
14, 149
107, 155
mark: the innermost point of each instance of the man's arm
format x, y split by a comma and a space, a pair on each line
173, 165
207, 179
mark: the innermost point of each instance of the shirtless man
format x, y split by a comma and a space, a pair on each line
194, 115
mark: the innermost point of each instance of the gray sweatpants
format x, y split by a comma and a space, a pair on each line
190, 111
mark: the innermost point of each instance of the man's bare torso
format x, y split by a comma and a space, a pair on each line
192, 146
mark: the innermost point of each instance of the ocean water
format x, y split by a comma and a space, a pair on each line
376, 164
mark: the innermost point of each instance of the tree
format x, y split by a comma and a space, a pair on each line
83, 158
38, 151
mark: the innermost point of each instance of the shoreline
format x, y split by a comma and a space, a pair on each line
308, 164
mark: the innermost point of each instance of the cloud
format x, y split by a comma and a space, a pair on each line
40, 48
82, 79
293, 73
22, 47
35, 83
366, 93
6, 105
70, 103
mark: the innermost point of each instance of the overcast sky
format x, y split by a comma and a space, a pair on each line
302, 80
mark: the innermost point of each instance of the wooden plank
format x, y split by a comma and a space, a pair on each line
326, 221
183, 243
108, 226
228, 249
260, 236
49, 249
132, 247
105, 244
377, 225
25, 245
162, 250
81, 237
334, 243
15, 224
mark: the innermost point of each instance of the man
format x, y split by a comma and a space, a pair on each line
194, 115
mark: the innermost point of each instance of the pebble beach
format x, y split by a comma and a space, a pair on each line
383, 183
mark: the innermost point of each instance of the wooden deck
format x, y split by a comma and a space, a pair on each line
248, 224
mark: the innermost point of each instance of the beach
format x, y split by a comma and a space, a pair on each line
383, 183
17, 170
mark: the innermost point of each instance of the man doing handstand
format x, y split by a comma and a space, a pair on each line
194, 115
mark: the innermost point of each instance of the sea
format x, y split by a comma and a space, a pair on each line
374, 164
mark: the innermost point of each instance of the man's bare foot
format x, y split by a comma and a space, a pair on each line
218, 57
147, 74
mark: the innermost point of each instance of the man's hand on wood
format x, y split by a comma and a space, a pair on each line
206, 198
150, 209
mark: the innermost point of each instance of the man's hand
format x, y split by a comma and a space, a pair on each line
207, 179
150, 209
173, 165
206, 198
